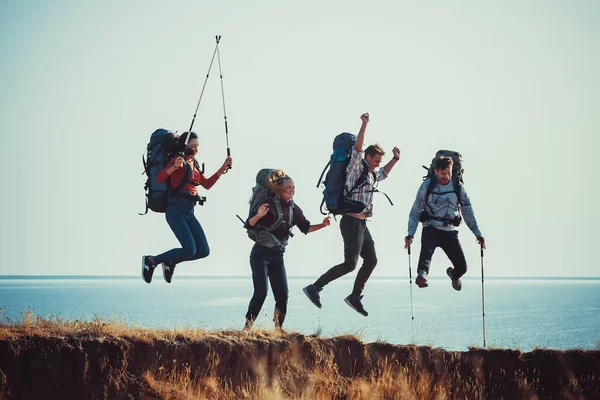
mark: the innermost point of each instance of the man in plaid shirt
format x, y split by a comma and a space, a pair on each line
356, 235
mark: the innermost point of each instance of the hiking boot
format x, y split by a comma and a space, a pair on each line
456, 283
147, 268
312, 292
421, 280
354, 301
168, 270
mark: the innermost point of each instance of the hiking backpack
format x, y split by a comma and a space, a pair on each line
335, 196
260, 194
163, 143
457, 179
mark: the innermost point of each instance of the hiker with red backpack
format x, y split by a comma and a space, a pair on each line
440, 201
183, 175
272, 215
352, 196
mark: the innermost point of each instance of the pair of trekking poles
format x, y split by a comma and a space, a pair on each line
218, 54
412, 313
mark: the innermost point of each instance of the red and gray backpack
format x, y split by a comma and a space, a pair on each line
162, 147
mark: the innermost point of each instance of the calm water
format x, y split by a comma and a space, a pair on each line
520, 313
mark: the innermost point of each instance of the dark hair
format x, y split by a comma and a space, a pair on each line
183, 137
373, 150
443, 162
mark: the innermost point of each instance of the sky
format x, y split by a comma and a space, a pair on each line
513, 86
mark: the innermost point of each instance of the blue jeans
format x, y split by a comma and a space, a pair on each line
180, 217
268, 263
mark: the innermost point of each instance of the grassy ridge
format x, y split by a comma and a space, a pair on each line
40, 358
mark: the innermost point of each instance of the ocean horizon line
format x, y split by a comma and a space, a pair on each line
198, 277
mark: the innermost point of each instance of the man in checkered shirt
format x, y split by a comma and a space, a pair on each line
356, 235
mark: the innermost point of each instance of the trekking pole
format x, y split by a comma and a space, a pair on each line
203, 87
482, 297
223, 97
412, 314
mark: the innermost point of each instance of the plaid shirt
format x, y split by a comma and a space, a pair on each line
363, 194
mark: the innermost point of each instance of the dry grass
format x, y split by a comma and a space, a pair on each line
32, 325
276, 365
321, 384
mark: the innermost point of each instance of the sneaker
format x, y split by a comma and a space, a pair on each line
168, 270
312, 292
456, 283
147, 269
354, 301
421, 280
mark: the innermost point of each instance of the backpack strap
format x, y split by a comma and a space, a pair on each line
291, 216
279, 208
323, 173
458, 191
321, 206
186, 177
362, 179
430, 187
433, 183
386, 196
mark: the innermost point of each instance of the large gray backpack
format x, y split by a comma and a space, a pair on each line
260, 195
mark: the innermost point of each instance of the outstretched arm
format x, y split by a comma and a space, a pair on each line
360, 139
326, 222
208, 183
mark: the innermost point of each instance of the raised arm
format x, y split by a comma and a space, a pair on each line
360, 139
169, 169
388, 167
261, 212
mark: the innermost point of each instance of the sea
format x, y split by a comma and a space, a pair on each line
509, 313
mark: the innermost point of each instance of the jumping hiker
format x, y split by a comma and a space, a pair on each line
353, 226
184, 175
440, 210
270, 226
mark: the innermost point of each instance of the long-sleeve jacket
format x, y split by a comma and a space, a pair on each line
442, 203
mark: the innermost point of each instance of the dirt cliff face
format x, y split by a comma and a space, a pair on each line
106, 367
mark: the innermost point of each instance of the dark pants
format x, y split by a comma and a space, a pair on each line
180, 217
357, 242
448, 241
268, 264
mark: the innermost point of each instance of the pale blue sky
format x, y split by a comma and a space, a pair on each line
512, 85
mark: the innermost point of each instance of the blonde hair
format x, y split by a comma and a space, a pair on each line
276, 180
